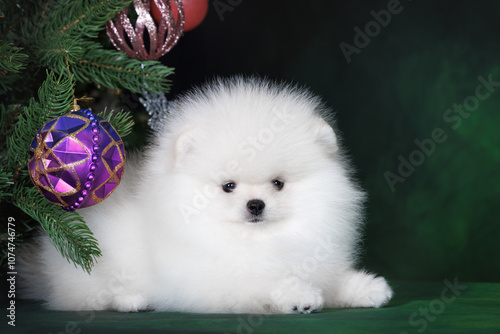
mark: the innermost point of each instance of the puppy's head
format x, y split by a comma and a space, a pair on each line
254, 162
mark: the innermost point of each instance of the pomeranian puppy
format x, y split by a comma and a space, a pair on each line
243, 203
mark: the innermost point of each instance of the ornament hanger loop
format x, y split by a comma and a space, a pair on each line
85, 98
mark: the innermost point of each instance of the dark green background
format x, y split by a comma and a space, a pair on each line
442, 221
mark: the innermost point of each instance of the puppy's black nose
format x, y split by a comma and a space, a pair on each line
256, 206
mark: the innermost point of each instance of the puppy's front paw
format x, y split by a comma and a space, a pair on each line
307, 308
301, 298
376, 294
361, 289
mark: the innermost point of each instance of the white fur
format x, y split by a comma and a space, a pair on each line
173, 240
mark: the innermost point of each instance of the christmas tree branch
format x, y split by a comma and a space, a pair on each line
115, 70
85, 18
5, 184
66, 230
12, 61
11, 58
61, 43
89, 62
122, 121
8, 117
59, 36
55, 97
59, 54
58, 19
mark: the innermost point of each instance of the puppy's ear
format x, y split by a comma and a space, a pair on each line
325, 135
185, 143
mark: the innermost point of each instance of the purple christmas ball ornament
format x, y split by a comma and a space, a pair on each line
76, 160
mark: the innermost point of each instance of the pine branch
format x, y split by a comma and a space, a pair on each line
55, 97
122, 121
11, 58
115, 70
59, 54
12, 61
8, 116
61, 43
57, 35
5, 184
59, 19
66, 230
63, 25
84, 18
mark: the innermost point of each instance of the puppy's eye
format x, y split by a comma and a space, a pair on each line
278, 185
228, 187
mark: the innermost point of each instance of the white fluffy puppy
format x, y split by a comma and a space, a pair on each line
243, 203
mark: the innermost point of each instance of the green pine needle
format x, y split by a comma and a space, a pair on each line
84, 18
89, 62
115, 70
58, 35
12, 62
11, 58
122, 122
62, 42
55, 97
58, 56
6, 184
66, 230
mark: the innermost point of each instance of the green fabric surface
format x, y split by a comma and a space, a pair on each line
418, 307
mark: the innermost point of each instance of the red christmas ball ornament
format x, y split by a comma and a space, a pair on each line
194, 11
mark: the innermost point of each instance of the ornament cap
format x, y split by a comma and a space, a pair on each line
75, 106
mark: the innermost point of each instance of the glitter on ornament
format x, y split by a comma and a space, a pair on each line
76, 160
162, 37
